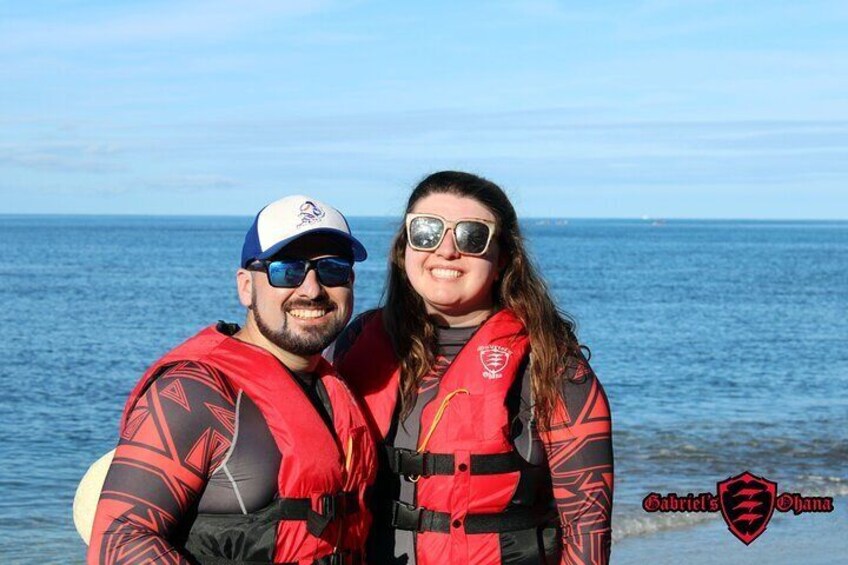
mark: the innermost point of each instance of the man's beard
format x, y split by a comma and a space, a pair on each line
309, 341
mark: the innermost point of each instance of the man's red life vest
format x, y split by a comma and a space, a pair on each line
465, 469
320, 509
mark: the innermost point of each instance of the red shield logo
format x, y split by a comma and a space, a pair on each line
747, 503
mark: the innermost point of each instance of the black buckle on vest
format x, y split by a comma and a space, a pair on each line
406, 517
332, 506
412, 463
341, 557
329, 504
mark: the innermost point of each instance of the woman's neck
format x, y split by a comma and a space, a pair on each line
464, 320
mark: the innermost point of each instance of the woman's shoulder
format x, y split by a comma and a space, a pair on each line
349, 335
582, 393
578, 385
576, 368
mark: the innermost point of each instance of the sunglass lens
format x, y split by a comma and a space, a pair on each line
425, 233
333, 272
286, 274
471, 237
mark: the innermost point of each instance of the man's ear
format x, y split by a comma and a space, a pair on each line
244, 285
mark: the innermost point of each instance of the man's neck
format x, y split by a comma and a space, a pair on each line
251, 334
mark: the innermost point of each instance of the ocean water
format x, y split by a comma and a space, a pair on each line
722, 345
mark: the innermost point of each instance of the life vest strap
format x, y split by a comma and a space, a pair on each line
416, 519
411, 463
336, 558
332, 506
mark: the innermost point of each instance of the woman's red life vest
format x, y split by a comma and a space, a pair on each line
320, 510
465, 468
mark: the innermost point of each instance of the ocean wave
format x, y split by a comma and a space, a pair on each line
818, 485
632, 526
775, 451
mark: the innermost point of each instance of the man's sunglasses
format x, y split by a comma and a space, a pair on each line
471, 236
290, 273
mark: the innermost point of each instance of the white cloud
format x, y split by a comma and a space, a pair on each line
196, 182
209, 20
63, 157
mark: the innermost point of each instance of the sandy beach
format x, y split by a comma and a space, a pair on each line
808, 539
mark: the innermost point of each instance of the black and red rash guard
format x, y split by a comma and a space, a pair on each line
192, 445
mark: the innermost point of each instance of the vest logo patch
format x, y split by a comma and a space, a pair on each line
494, 359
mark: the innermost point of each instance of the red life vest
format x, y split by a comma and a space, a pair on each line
465, 468
322, 479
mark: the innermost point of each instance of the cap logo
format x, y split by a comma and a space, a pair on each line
494, 359
309, 213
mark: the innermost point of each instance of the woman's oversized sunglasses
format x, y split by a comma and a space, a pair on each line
471, 236
290, 273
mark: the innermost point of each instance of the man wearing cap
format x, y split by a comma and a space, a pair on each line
242, 445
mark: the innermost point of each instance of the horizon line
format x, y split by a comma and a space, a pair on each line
646, 218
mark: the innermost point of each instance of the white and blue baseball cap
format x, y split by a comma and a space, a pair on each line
290, 218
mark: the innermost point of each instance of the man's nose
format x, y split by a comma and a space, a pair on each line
447, 248
310, 287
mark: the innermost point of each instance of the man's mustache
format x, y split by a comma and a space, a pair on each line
321, 304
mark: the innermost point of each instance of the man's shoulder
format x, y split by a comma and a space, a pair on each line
196, 378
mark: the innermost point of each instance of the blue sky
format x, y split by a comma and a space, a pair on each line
686, 108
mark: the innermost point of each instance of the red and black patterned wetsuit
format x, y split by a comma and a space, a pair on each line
192, 444
571, 468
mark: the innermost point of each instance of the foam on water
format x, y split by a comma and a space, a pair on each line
646, 524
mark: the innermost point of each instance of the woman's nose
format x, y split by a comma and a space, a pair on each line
447, 248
